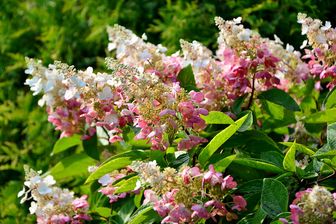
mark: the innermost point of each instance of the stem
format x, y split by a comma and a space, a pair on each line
252, 93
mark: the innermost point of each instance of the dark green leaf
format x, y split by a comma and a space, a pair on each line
331, 135
280, 97
330, 100
274, 197
187, 79
90, 147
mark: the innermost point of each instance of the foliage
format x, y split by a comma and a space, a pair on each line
254, 154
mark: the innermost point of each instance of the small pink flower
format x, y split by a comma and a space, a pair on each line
228, 183
80, 203
239, 202
200, 211
212, 176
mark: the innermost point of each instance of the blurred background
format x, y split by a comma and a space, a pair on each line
74, 31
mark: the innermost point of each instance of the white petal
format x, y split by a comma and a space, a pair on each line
21, 192
43, 188
105, 180
49, 180
33, 207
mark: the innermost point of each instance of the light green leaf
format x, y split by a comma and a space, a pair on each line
127, 185
222, 164
289, 160
219, 140
299, 147
73, 165
326, 116
217, 117
117, 162
65, 143
144, 215
257, 164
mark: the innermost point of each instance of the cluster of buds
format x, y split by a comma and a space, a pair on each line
80, 101
313, 205
52, 204
322, 57
188, 195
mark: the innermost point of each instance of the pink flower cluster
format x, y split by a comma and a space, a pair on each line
322, 57
313, 205
189, 195
81, 101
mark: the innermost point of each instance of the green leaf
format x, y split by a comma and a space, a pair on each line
103, 211
65, 143
116, 162
289, 160
144, 215
222, 164
325, 151
299, 147
280, 97
187, 79
326, 116
127, 185
248, 121
217, 117
274, 197
330, 100
90, 147
218, 140
257, 164
73, 165
331, 135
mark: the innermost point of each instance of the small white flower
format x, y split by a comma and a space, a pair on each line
244, 35
91, 169
145, 55
43, 188
237, 20
71, 93
321, 38
33, 207
304, 29
105, 94
105, 180
277, 39
49, 180
327, 26
137, 185
144, 36
111, 46
304, 44
289, 48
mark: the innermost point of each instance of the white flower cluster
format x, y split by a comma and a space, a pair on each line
319, 35
133, 50
51, 204
149, 173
